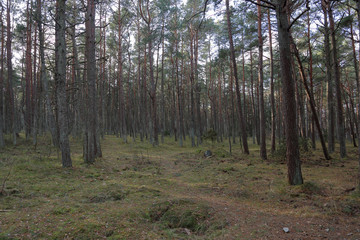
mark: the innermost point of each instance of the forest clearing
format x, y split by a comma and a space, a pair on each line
137, 191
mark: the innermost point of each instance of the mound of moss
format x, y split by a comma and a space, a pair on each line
182, 213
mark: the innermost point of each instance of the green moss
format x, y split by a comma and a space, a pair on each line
137, 191
311, 188
62, 210
351, 207
111, 192
221, 153
182, 213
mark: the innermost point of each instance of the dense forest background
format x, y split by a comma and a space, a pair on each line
277, 73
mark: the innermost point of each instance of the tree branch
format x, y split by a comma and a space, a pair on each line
202, 11
268, 4
300, 15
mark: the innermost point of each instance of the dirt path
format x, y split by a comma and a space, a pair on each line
246, 221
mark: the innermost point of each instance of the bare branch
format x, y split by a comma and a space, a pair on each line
202, 11
300, 15
266, 5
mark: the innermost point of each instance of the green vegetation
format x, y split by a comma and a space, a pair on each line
137, 191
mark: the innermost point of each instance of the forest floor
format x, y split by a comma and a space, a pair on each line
137, 191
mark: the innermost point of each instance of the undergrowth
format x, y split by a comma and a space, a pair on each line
137, 191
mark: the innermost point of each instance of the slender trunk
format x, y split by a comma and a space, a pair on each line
356, 67
180, 124
311, 100
2, 143
44, 81
60, 82
232, 54
162, 84
220, 122
35, 99
153, 93
192, 101
330, 98
255, 119
28, 75
77, 81
199, 131
311, 83
261, 89
358, 103
90, 144
351, 125
339, 109
10, 74
122, 127
231, 86
272, 98
244, 87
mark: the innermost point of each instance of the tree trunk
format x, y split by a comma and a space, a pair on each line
28, 75
311, 100
330, 98
2, 143
199, 131
232, 54
90, 145
153, 93
11, 96
261, 89
122, 122
44, 80
288, 87
311, 84
162, 83
60, 82
358, 103
35, 100
272, 98
339, 108
192, 101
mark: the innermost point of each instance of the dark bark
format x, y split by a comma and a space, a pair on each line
122, 122
180, 124
60, 82
35, 100
311, 84
339, 107
311, 100
272, 98
261, 89
2, 143
11, 95
288, 89
28, 75
44, 81
192, 100
358, 103
148, 20
90, 146
199, 131
162, 83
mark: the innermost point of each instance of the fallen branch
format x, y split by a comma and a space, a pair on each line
3, 210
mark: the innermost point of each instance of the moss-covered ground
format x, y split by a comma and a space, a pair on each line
137, 191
